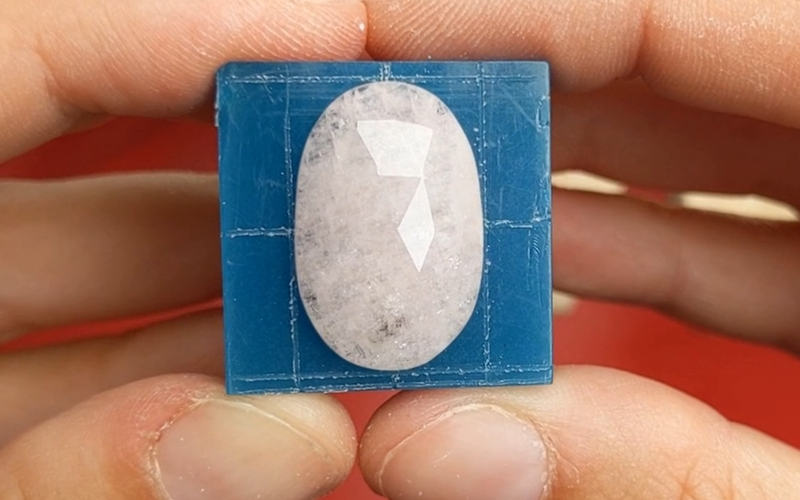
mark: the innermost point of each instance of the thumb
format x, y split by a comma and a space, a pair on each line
180, 437
594, 434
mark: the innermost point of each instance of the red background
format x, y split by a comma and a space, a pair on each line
754, 385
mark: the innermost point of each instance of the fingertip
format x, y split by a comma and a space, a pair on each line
438, 445
322, 418
181, 437
509, 29
595, 432
292, 447
701, 53
161, 59
459, 443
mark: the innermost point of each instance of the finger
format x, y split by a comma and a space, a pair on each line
595, 433
627, 132
179, 437
147, 57
737, 57
724, 273
40, 383
99, 248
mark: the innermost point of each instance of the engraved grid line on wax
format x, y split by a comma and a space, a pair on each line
389, 266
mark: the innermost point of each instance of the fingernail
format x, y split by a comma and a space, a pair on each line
234, 450
477, 452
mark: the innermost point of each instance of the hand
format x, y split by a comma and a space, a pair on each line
606, 434
84, 420
710, 102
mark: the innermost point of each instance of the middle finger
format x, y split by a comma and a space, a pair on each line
735, 57
629, 133
37, 384
105, 247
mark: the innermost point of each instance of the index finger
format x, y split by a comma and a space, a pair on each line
65, 60
738, 57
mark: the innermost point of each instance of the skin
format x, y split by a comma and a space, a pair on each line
662, 94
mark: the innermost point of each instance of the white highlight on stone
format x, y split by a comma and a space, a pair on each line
578, 180
387, 172
417, 229
399, 150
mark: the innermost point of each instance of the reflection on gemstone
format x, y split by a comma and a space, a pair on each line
417, 229
399, 149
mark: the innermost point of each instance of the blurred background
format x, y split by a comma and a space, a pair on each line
755, 385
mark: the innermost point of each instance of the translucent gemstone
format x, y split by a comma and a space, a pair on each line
388, 226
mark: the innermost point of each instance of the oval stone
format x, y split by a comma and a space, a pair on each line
388, 226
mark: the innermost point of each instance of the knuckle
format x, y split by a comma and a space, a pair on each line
705, 479
713, 474
12, 488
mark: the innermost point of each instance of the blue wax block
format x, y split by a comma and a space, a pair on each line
265, 113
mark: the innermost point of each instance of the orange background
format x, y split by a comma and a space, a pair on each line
755, 385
